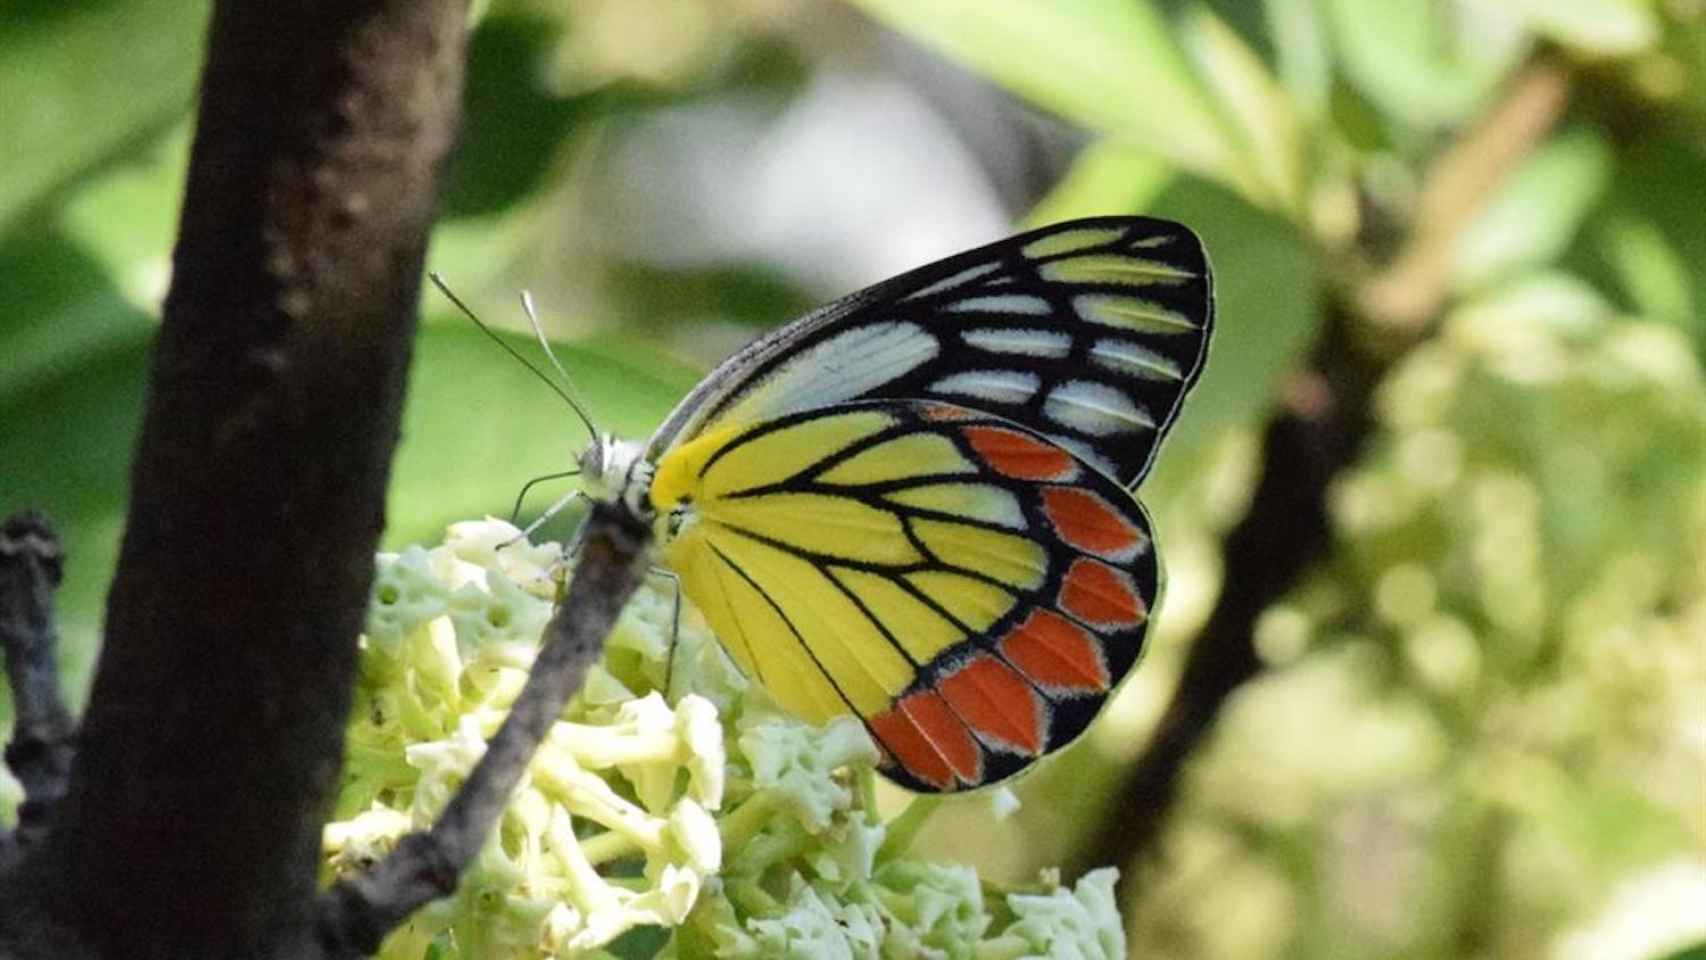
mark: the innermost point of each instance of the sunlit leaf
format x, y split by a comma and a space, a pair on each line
89, 276
83, 82
1561, 302
1605, 28
1267, 305
1111, 65
1425, 65
1302, 52
1537, 211
1107, 176
1259, 107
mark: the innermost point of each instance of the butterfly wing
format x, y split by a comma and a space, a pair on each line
1090, 332
970, 589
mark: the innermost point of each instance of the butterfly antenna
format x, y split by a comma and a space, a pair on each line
580, 412
545, 345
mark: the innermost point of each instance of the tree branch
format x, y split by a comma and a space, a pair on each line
1411, 290
1320, 429
356, 913
211, 745
40, 751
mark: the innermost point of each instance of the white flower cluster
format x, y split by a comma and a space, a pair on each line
721, 819
451, 634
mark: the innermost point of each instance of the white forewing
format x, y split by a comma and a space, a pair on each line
1090, 332
841, 368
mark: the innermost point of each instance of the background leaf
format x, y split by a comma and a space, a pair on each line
1425, 64
1535, 214
1112, 65
1604, 28
1260, 109
76, 98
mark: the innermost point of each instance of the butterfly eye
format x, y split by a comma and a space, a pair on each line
592, 462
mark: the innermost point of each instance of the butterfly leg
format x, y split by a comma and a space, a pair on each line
551, 511
674, 629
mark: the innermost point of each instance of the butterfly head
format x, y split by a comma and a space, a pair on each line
617, 470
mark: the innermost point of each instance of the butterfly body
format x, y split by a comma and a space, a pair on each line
914, 505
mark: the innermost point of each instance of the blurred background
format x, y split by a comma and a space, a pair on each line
1480, 725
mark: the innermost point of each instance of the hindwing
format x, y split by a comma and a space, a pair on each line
969, 588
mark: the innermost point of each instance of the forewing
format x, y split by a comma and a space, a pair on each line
967, 587
1089, 331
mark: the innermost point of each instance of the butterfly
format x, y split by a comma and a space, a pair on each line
914, 505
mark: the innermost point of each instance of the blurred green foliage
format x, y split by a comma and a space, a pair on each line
1484, 729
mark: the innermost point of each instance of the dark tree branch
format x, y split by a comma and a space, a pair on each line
40, 751
1320, 429
210, 749
357, 913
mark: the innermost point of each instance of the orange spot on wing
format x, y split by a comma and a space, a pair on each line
906, 745
921, 733
1056, 652
996, 702
1020, 455
1101, 596
1090, 523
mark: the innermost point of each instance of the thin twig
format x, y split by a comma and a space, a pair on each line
356, 913
42, 745
1320, 429
1408, 294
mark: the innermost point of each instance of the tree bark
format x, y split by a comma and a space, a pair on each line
210, 750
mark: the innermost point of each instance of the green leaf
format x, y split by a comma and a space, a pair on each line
1606, 28
1108, 176
1111, 65
127, 216
1537, 211
513, 126
1303, 53
1424, 65
1653, 273
1267, 305
1650, 241
67, 444
84, 81
86, 277
1561, 302
61, 309
1259, 107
